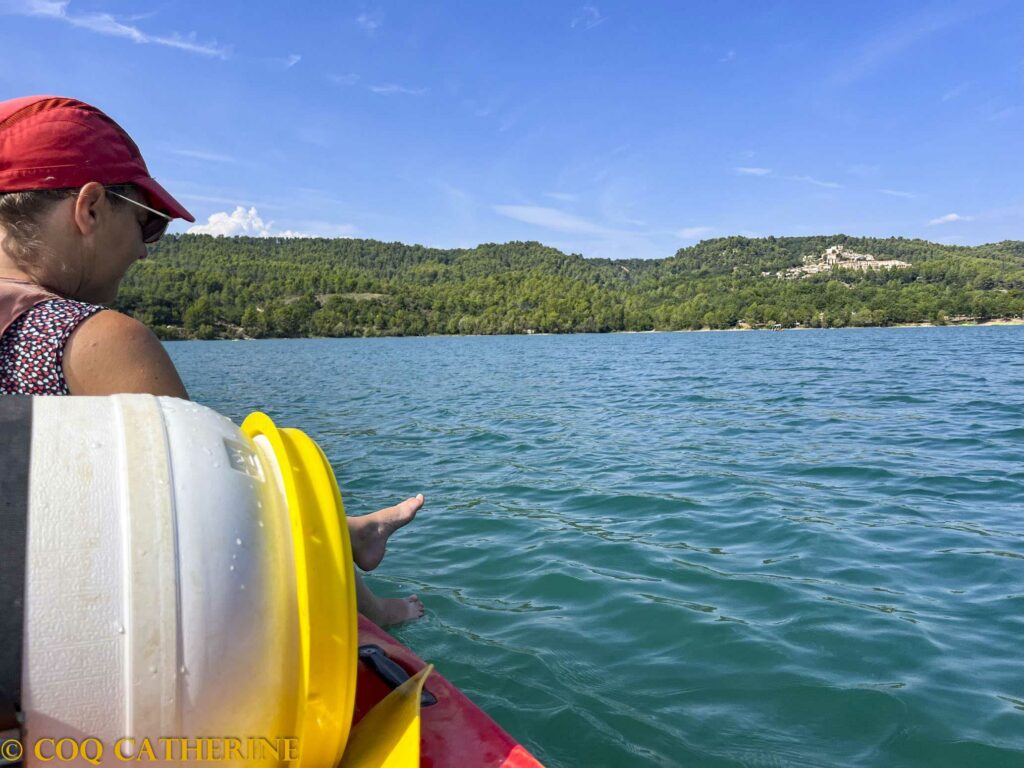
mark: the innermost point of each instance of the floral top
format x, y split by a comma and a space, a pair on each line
32, 346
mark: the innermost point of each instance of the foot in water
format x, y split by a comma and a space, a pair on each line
370, 533
394, 610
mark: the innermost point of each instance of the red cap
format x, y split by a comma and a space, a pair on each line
51, 142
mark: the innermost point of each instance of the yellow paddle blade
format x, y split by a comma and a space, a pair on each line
389, 735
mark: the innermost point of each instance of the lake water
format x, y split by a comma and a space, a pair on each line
722, 549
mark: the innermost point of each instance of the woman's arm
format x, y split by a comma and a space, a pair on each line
110, 353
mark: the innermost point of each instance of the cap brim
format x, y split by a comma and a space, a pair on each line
161, 199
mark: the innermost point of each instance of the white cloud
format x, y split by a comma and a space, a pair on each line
729, 56
748, 171
392, 88
565, 197
106, 24
948, 218
897, 193
693, 233
552, 218
371, 22
240, 222
815, 182
588, 17
894, 41
292, 60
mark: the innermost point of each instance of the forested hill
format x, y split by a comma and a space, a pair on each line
197, 286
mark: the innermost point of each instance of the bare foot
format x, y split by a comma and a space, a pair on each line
370, 533
386, 611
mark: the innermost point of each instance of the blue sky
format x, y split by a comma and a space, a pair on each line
610, 129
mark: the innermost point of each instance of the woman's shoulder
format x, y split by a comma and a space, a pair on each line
112, 353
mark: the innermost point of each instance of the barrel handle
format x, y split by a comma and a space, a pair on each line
390, 671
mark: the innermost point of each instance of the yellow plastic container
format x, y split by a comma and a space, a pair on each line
389, 735
325, 590
186, 578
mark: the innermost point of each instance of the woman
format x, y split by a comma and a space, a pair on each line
77, 208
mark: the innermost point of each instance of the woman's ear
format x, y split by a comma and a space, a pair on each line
90, 203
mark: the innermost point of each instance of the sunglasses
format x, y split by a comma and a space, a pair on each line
154, 225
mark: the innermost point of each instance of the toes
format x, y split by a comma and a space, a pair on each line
416, 604
411, 505
400, 514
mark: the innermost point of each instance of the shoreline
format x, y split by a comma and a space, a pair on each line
1001, 322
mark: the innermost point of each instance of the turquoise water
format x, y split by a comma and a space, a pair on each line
734, 549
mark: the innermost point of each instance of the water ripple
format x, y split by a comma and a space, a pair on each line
734, 549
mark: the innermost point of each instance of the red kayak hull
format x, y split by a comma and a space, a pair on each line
455, 732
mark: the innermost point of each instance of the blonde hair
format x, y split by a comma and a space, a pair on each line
22, 212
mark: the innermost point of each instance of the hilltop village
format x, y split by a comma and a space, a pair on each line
837, 257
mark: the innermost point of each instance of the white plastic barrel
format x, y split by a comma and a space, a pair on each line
174, 590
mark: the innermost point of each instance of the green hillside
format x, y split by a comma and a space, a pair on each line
197, 286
